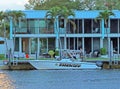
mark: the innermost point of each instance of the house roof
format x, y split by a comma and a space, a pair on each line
35, 14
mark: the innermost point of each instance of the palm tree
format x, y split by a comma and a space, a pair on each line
14, 15
53, 14
56, 14
104, 17
4, 24
64, 14
3, 28
1, 22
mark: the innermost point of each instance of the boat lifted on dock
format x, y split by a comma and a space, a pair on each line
63, 64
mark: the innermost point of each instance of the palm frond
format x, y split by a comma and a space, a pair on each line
73, 23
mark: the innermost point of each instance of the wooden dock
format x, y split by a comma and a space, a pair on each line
19, 65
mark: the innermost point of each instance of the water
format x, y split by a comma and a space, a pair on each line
60, 79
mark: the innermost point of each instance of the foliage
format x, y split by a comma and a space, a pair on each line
5, 16
61, 12
56, 52
105, 15
45, 5
15, 16
53, 13
2, 56
107, 4
103, 51
74, 4
56, 14
51, 53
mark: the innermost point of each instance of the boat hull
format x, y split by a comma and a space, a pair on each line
49, 64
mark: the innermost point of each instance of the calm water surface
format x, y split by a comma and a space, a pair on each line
60, 79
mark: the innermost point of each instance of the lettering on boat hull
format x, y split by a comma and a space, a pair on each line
69, 65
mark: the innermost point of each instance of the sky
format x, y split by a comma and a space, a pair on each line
12, 4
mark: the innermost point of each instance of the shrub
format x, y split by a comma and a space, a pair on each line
103, 51
51, 53
2, 56
56, 53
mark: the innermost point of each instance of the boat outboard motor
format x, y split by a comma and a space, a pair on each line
99, 63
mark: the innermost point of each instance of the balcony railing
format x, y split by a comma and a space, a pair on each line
38, 30
33, 30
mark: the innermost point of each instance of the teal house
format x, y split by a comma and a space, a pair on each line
36, 35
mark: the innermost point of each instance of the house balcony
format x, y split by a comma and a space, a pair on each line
33, 30
41, 32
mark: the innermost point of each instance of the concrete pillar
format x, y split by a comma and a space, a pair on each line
92, 44
83, 43
20, 44
101, 42
38, 47
57, 43
29, 46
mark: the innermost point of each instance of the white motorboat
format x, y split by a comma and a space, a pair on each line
63, 64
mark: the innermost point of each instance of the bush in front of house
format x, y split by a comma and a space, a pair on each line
51, 53
2, 56
56, 52
103, 51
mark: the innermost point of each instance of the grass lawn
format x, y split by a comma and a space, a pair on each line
86, 59
99, 59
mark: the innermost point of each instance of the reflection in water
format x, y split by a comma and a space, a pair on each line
5, 82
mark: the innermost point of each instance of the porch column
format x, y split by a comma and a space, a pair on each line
83, 43
20, 44
56, 27
118, 46
57, 43
29, 46
92, 44
118, 38
38, 47
83, 26
101, 42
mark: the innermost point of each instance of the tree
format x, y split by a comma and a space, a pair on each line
15, 16
2, 23
74, 4
107, 4
56, 14
64, 14
53, 14
104, 17
45, 5
5, 16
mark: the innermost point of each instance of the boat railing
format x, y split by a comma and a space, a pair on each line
74, 54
